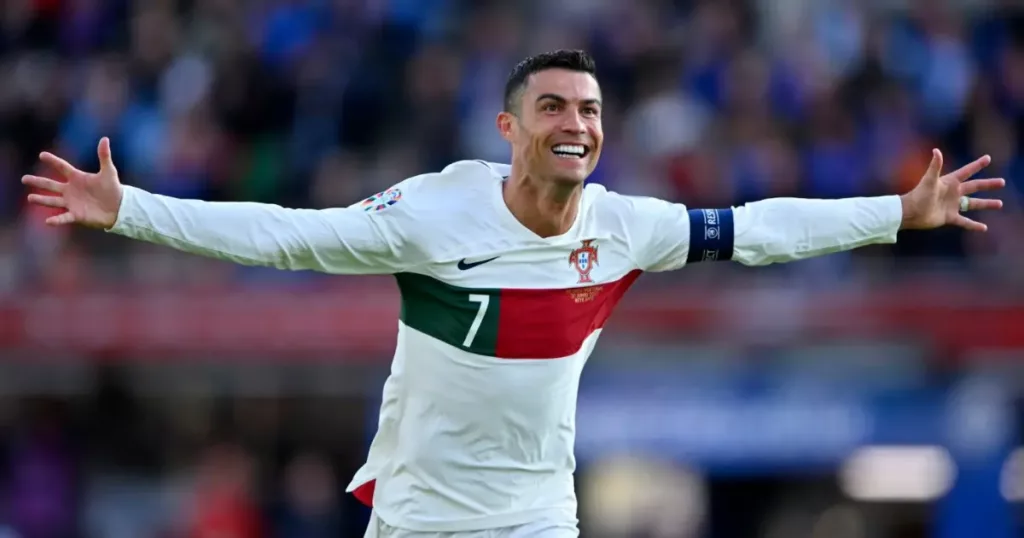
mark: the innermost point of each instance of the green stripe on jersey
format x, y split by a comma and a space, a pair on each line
466, 318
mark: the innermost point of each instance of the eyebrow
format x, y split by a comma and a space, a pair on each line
563, 100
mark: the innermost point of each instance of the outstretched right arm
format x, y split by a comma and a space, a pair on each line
347, 240
368, 238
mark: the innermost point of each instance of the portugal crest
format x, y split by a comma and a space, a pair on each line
583, 260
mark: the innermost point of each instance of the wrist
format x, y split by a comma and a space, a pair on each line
112, 219
906, 206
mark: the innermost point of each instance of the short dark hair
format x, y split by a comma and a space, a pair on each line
573, 60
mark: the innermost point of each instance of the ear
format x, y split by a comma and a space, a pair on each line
506, 123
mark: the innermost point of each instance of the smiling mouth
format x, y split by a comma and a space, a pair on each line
570, 151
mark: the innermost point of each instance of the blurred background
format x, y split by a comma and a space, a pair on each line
876, 394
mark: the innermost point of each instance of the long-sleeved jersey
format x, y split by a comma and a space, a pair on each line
477, 424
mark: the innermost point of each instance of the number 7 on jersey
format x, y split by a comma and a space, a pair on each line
484, 300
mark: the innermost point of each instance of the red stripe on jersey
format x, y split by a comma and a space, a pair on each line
364, 493
551, 324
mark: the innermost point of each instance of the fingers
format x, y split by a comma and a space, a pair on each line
62, 219
44, 183
968, 171
981, 185
62, 167
103, 152
48, 201
977, 204
978, 185
968, 224
935, 168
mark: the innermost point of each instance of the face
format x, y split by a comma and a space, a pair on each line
557, 133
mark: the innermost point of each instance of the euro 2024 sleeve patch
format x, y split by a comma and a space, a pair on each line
382, 200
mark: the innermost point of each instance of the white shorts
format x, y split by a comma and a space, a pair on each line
541, 529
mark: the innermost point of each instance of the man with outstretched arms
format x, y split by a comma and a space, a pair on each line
507, 275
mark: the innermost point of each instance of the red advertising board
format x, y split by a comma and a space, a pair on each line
362, 320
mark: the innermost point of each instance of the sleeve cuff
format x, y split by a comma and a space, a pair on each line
128, 194
891, 210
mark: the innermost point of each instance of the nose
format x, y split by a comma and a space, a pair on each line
573, 123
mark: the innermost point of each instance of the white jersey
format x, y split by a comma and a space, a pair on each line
477, 424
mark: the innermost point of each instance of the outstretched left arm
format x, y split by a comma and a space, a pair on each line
666, 236
787, 229
780, 230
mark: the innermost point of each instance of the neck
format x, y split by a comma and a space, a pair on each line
545, 207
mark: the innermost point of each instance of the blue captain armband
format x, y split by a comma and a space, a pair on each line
711, 235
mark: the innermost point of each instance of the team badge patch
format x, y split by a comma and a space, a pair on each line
583, 260
382, 200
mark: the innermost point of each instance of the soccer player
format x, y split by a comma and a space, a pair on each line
507, 275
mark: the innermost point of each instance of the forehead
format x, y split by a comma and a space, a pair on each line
572, 85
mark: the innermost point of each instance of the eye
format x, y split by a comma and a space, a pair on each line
591, 111
550, 107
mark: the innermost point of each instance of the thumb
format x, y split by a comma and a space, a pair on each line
106, 160
934, 168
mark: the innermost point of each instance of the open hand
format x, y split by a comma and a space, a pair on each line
935, 201
88, 199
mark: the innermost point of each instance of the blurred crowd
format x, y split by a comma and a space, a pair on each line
112, 465
317, 103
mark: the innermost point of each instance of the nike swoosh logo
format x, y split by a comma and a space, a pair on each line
464, 266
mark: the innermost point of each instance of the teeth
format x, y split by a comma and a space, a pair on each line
573, 149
